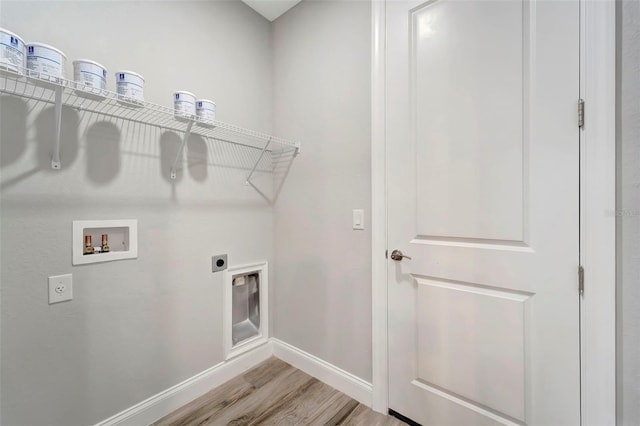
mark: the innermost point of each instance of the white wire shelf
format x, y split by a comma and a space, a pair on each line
60, 92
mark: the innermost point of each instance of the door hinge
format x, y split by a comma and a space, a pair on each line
581, 113
386, 254
580, 280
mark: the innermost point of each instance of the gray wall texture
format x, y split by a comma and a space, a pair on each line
322, 84
628, 212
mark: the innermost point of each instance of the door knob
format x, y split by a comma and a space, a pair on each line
397, 255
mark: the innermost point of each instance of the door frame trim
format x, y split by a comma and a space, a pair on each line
597, 207
379, 374
597, 212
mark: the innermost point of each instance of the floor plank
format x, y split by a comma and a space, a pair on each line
363, 415
275, 393
301, 409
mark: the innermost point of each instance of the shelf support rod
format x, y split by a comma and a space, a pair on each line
255, 166
55, 158
184, 141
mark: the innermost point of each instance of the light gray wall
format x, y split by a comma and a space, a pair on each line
628, 212
135, 327
322, 288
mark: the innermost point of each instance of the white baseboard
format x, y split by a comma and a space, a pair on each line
165, 402
335, 377
176, 396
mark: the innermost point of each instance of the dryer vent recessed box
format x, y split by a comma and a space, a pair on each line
246, 317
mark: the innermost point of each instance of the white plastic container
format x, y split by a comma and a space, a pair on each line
185, 104
45, 60
90, 75
11, 51
130, 86
206, 111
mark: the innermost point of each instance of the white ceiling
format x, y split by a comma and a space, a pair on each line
271, 9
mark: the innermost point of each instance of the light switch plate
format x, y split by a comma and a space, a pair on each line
358, 219
60, 288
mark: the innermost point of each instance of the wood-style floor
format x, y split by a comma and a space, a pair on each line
275, 393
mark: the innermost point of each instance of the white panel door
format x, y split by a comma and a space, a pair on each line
482, 175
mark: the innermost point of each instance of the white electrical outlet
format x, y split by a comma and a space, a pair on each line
60, 288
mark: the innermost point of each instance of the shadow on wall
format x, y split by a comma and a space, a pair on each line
103, 152
13, 136
197, 155
169, 147
13, 140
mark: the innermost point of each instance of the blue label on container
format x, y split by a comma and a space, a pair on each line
199, 104
121, 76
31, 50
104, 73
14, 41
177, 95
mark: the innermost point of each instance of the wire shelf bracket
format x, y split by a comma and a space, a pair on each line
55, 157
255, 166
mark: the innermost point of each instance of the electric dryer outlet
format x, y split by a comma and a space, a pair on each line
218, 263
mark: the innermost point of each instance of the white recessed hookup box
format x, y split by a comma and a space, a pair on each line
122, 237
246, 308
